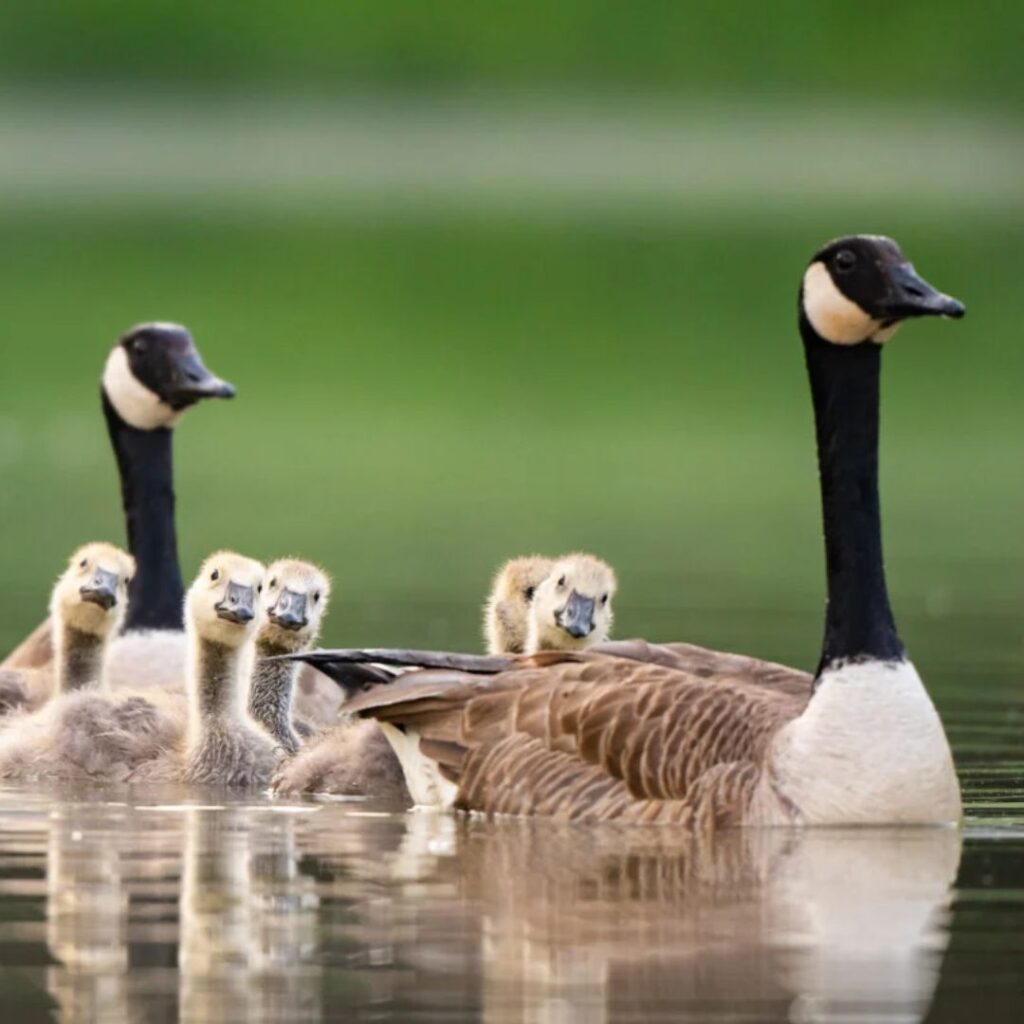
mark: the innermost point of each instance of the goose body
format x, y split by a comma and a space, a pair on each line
648, 739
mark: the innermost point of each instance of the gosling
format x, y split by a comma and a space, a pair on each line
294, 602
355, 758
87, 606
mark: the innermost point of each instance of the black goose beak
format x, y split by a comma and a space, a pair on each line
193, 381
911, 296
289, 610
238, 604
577, 617
101, 589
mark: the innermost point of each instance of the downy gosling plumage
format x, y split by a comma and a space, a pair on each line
506, 611
84, 731
574, 612
295, 600
593, 736
87, 607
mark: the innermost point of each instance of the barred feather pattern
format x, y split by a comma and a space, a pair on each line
600, 737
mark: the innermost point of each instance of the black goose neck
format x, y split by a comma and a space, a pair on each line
145, 463
844, 380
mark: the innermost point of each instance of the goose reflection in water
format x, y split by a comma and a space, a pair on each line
262, 913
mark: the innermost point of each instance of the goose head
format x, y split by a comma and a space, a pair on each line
861, 288
154, 373
294, 603
572, 606
92, 593
223, 603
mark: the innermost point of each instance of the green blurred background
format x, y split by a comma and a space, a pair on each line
497, 279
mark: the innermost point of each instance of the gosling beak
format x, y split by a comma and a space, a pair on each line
238, 604
193, 381
289, 610
911, 296
101, 589
577, 617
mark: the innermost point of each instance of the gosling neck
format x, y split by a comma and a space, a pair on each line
79, 659
144, 461
271, 692
859, 624
216, 683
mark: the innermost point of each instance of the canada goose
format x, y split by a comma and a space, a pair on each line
223, 745
151, 376
571, 608
506, 610
87, 606
354, 757
592, 736
294, 602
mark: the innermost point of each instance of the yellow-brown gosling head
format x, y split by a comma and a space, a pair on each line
572, 606
223, 603
87, 607
507, 611
294, 602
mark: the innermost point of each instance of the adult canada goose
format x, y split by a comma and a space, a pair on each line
535, 603
592, 736
294, 602
223, 745
151, 376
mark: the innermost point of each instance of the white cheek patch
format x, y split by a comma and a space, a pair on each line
835, 317
135, 403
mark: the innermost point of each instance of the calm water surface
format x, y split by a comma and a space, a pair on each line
168, 904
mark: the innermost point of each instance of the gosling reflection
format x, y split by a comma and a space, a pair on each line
604, 925
86, 920
248, 922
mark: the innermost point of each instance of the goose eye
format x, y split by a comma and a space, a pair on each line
529, 592
561, 581
215, 575
845, 260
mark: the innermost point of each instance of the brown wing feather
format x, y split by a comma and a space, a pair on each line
593, 737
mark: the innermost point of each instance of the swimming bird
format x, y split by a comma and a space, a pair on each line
151, 377
572, 610
222, 744
294, 603
593, 736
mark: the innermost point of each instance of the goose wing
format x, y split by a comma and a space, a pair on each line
590, 736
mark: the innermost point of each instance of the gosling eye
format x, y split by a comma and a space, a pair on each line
215, 575
561, 581
845, 260
259, 588
83, 563
529, 592
316, 597
604, 599
272, 583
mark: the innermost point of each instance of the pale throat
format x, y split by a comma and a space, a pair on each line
835, 317
132, 400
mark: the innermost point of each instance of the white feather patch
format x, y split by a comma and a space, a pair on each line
835, 317
427, 786
135, 403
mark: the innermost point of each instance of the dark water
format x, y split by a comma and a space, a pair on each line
174, 905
